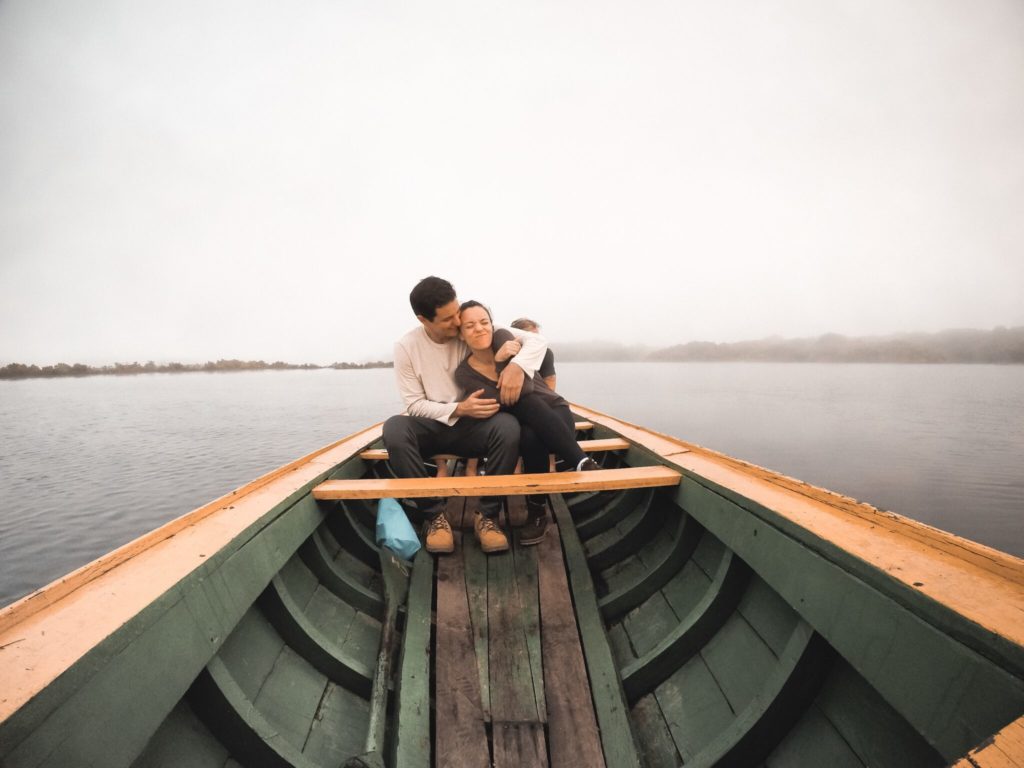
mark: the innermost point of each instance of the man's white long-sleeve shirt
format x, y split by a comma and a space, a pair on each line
425, 371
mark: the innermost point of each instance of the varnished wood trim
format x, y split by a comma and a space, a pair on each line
643, 675
497, 485
1003, 750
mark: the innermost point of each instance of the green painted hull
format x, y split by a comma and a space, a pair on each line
713, 631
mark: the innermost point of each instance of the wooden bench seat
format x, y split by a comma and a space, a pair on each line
589, 446
498, 485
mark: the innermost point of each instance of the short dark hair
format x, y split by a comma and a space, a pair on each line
429, 295
474, 303
524, 324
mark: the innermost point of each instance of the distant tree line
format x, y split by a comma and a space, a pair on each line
21, 371
1000, 345
351, 366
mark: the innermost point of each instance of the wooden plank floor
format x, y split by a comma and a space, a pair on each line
510, 682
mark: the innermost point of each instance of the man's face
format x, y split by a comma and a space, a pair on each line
445, 325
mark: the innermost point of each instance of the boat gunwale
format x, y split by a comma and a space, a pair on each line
48, 632
953, 569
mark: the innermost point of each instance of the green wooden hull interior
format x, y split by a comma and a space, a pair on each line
707, 630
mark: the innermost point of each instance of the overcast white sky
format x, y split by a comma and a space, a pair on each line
196, 180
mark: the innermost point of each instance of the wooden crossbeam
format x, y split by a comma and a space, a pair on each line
589, 446
498, 485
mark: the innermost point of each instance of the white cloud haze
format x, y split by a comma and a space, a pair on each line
199, 180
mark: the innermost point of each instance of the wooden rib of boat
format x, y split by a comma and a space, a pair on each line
686, 609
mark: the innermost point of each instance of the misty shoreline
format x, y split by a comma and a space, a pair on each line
61, 370
1000, 346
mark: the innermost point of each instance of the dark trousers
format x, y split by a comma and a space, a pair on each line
411, 438
546, 428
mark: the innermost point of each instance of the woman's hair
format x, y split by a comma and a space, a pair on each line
473, 303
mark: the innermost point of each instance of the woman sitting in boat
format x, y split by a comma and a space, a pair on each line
547, 423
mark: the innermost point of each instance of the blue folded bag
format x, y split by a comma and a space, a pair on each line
394, 530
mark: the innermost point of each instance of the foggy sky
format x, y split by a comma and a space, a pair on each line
200, 180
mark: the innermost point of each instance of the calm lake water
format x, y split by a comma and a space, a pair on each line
89, 464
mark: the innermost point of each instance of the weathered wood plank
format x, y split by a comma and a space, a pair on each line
814, 741
658, 749
628, 536
246, 732
339, 727
498, 485
605, 516
572, 725
872, 728
740, 681
511, 682
305, 635
519, 745
695, 707
693, 632
610, 706
475, 562
626, 598
396, 589
183, 740
525, 559
783, 698
412, 692
337, 579
461, 738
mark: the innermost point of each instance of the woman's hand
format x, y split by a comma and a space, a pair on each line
507, 351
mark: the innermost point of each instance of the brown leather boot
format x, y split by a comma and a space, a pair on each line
536, 521
489, 535
440, 540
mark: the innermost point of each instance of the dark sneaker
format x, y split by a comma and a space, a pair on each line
589, 465
490, 536
440, 540
536, 525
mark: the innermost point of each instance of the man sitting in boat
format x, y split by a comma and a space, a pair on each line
438, 420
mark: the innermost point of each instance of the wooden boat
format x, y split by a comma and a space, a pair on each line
687, 608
